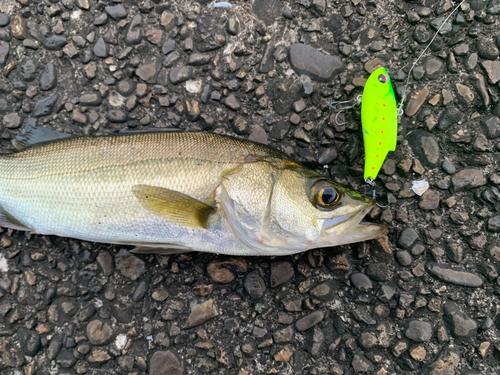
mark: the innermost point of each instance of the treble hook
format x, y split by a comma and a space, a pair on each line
336, 107
370, 182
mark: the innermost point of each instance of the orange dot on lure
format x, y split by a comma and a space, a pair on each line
379, 121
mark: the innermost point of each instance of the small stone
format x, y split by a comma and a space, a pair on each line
494, 224
4, 52
117, 116
12, 121
167, 20
407, 238
232, 103
180, 74
361, 364
129, 265
483, 348
469, 178
29, 341
425, 147
284, 354
419, 331
324, 291
429, 200
418, 353
487, 49
492, 69
404, 258
465, 93
100, 48
281, 272
45, 106
258, 135
309, 321
454, 275
134, 31
201, 313
116, 12
55, 43
307, 60
148, 71
456, 321
19, 27
361, 282
4, 19
446, 364
49, 79
99, 356
416, 101
168, 46
99, 332
166, 362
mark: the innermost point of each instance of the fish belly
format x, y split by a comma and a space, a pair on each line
97, 204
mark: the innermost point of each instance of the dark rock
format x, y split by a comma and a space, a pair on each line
307, 60
232, 103
267, 10
314, 341
100, 48
93, 99
446, 364
117, 115
491, 125
379, 271
197, 59
65, 358
19, 27
4, 19
468, 178
404, 258
419, 331
425, 147
167, 47
45, 106
361, 281
492, 68
148, 71
171, 59
99, 332
327, 156
134, 31
106, 263
55, 43
12, 121
129, 265
4, 52
407, 238
29, 340
325, 291
309, 321
215, 40
180, 74
116, 12
451, 116
166, 362
454, 275
283, 93
49, 78
284, 335
281, 272
456, 321
201, 313
494, 224
429, 200
233, 26
361, 364
28, 72
487, 49
254, 285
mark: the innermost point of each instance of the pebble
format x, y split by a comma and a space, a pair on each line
99, 332
416, 102
4, 52
425, 147
180, 74
281, 272
361, 282
304, 59
487, 49
361, 364
129, 265
454, 275
45, 106
429, 200
404, 258
494, 224
166, 362
309, 321
201, 313
407, 238
116, 12
283, 355
48, 79
117, 115
12, 120
4, 19
18, 27
419, 331
469, 178
134, 31
29, 340
446, 364
459, 325
325, 291
492, 69
379, 271
55, 42
148, 71
491, 125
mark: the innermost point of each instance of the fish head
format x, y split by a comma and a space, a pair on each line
379, 82
293, 209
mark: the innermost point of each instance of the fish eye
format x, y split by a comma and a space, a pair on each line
382, 78
325, 194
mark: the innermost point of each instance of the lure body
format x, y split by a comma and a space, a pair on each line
379, 121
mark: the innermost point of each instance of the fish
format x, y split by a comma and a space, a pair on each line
174, 192
379, 121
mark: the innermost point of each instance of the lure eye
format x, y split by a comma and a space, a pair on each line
382, 78
325, 194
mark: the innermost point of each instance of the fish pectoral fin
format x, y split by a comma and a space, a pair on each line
9, 221
176, 207
169, 249
34, 135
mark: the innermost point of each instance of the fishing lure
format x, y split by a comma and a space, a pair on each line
379, 121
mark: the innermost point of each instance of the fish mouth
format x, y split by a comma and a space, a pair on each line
351, 228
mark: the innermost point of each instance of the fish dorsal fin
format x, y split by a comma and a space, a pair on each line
9, 221
34, 135
176, 207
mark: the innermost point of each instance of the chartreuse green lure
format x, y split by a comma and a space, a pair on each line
379, 120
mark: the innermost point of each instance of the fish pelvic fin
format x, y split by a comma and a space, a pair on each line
33, 136
9, 221
175, 206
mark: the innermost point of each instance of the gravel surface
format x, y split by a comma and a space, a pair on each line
422, 301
